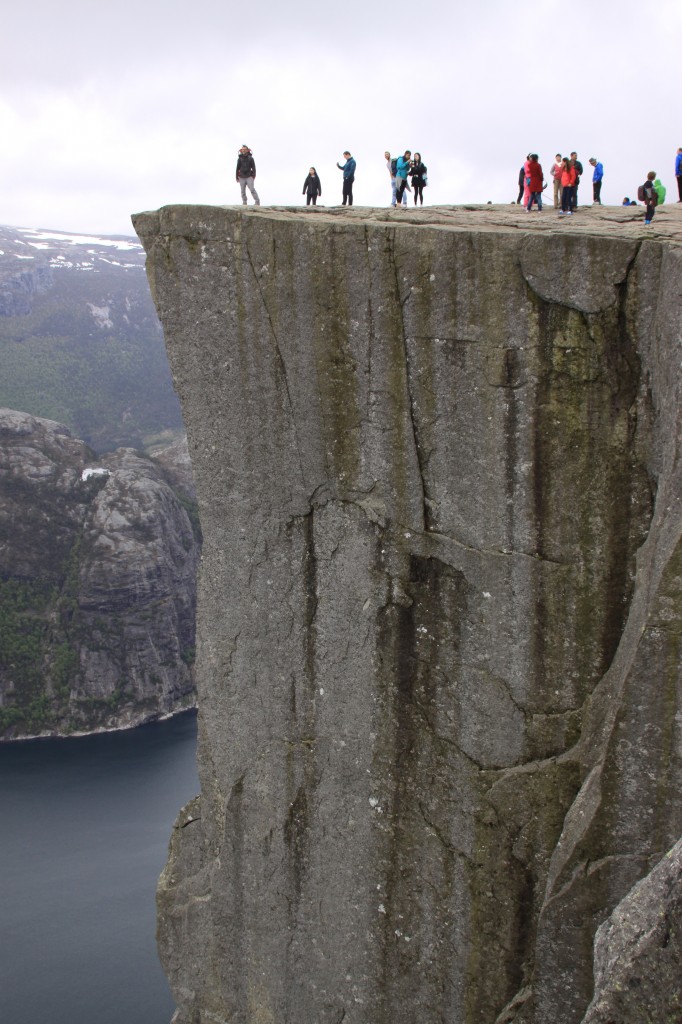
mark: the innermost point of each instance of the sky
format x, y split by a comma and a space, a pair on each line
110, 109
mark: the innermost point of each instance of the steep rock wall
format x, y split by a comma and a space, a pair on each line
98, 561
439, 611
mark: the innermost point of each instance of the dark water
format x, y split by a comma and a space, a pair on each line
84, 829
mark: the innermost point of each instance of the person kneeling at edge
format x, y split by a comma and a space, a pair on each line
312, 187
246, 174
348, 169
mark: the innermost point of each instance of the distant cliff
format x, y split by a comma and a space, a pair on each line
438, 469
98, 561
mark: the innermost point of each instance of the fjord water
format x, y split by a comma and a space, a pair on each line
84, 829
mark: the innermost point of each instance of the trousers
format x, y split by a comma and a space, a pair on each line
245, 183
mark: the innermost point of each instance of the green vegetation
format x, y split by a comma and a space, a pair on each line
110, 384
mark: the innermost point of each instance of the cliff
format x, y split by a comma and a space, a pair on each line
98, 562
437, 463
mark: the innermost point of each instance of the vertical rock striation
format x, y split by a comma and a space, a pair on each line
439, 608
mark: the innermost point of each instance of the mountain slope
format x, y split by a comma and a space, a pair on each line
80, 341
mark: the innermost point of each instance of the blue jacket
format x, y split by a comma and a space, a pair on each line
678, 165
348, 168
402, 167
598, 171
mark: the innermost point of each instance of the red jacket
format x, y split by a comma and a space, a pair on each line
535, 175
568, 176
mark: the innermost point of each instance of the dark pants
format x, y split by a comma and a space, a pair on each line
650, 211
400, 189
567, 197
418, 191
574, 197
311, 197
596, 191
348, 191
679, 186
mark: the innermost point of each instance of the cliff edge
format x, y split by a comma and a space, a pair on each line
437, 463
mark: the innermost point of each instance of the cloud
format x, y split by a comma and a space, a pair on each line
109, 111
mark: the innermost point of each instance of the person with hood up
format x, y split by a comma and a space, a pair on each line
312, 187
246, 174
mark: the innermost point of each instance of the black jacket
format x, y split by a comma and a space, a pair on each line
312, 185
418, 173
246, 166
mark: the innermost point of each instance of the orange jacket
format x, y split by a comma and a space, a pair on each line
568, 176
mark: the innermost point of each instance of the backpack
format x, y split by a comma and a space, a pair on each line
394, 167
640, 194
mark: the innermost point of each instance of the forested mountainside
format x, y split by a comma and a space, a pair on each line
80, 342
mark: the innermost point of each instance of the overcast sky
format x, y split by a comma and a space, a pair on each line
110, 109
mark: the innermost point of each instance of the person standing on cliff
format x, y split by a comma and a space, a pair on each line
391, 167
348, 169
678, 173
578, 172
596, 180
650, 197
418, 178
246, 174
312, 187
402, 171
567, 186
536, 183
556, 180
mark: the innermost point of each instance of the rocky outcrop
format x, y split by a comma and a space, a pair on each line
98, 562
638, 951
437, 465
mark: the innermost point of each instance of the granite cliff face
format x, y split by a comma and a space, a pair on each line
98, 563
438, 469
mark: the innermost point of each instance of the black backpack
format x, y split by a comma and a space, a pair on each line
394, 167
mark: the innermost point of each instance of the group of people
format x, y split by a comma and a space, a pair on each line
566, 172
400, 170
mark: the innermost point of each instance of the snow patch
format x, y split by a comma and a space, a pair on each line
96, 471
100, 315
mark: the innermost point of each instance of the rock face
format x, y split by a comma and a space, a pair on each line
638, 951
97, 585
437, 463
